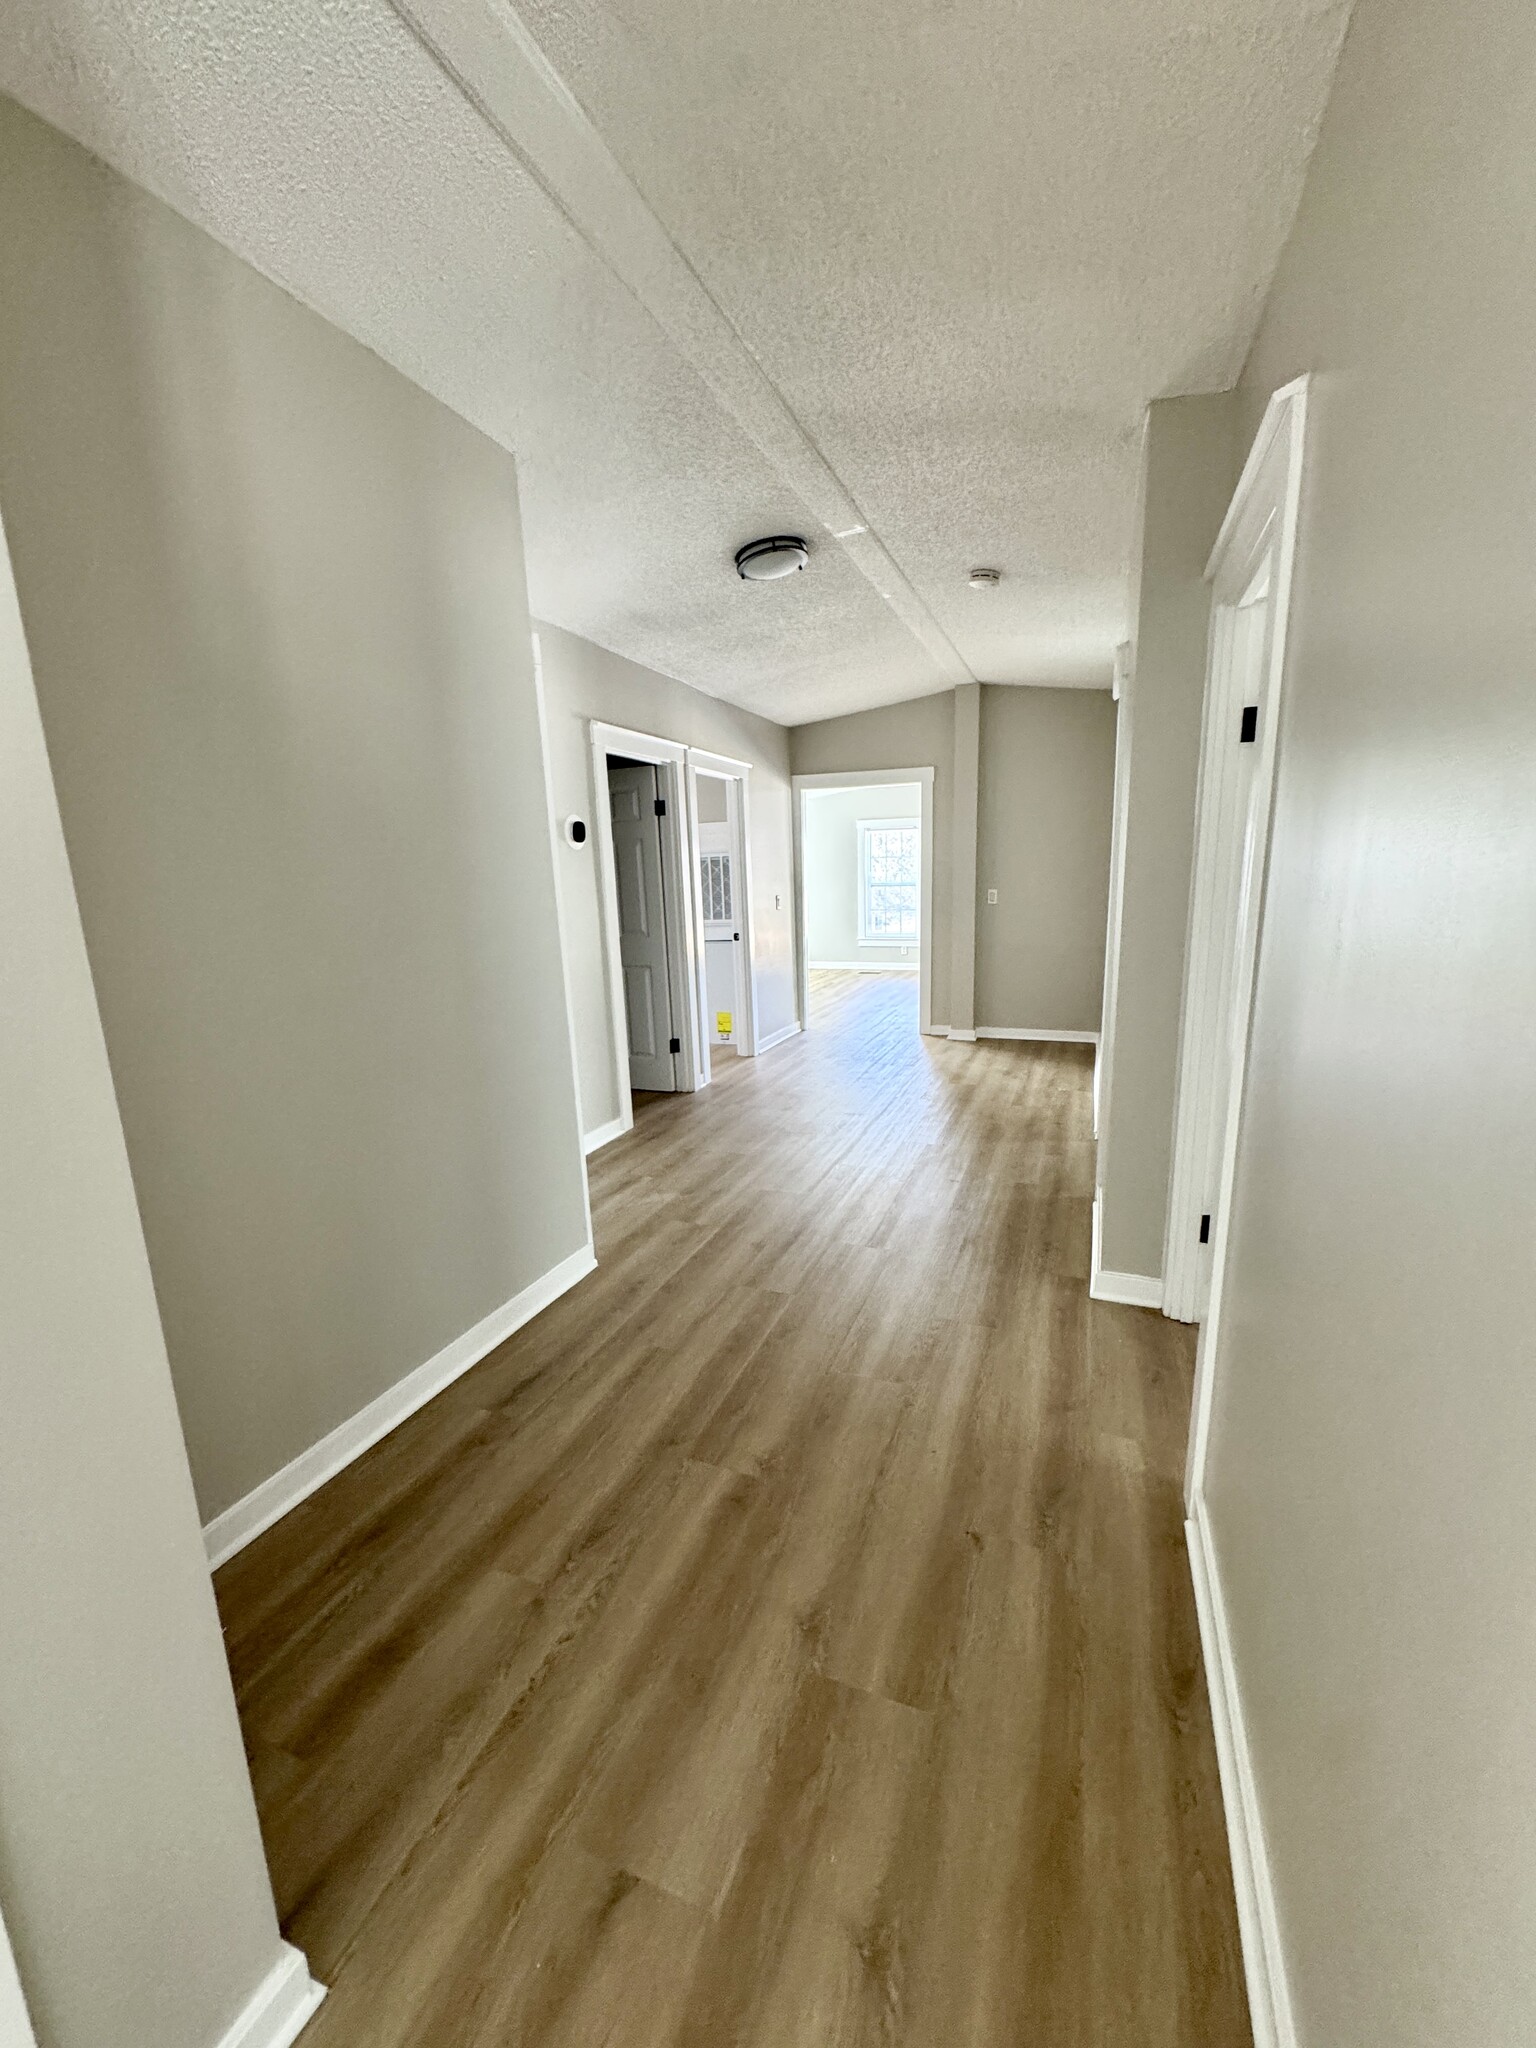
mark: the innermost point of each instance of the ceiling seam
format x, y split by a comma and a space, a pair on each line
509, 55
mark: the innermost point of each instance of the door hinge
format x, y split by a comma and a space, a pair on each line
661, 807
1205, 1229
1250, 726
675, 1045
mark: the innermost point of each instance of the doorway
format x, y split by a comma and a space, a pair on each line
1250, 574
636, 812
719, 804
864, 867
640, 809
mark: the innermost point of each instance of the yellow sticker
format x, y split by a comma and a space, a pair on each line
723, 1023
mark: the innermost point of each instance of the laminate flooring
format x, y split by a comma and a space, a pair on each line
786, 1640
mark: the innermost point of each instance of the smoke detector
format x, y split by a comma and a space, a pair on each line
984, 579
764, 561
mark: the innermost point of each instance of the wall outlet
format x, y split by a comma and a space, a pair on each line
991, 895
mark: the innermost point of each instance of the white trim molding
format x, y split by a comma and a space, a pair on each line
670, 760
594, 1141
786, 1031
1269, 2000
1131, 1290
280, 2008
737, 777
1037, 1037
305, 1474
1258, 536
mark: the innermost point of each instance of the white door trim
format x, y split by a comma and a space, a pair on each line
670, 760
861, 778
1264, 516
1121, 689
15, 2022
737, 778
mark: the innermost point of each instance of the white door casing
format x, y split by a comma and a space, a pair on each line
738, 839
1228, 792
680, 910
1250, 571
640, 885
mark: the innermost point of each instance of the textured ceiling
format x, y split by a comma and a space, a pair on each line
712, 270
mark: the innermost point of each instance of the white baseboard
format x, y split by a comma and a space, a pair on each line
1133, 1290
280, 2008
962, 1036
862, 966
269, 1502
593, 1141
778, 1037
1263, 1957
1037, 1037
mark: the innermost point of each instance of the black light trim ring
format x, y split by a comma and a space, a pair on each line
774, 544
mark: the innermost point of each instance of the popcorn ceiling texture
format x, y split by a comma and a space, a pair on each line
967, 244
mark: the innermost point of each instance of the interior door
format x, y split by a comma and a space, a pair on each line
638, 871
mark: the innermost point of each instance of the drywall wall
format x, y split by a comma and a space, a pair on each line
275, 602
1046, 783
583, 682
1374, 1434
829, 855
918, 734
1191, 463
132, 1882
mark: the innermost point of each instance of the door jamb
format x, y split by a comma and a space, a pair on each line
669, 758
858, 778
1122, 689
1266, 504
737, 778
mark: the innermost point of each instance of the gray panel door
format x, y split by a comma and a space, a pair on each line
637, 861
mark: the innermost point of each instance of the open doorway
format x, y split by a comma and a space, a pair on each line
724, 900
645, 876
864, 858
1250, 574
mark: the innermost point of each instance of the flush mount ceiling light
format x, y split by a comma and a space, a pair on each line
763, 561
984, 579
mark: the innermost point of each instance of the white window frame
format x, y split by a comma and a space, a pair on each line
864, 827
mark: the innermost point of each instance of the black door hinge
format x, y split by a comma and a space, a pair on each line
675, 1045
1250, 725
661, 807
1205, 1229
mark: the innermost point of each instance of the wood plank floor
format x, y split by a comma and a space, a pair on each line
786, 1641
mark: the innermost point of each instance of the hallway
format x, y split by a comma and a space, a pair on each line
785, 1640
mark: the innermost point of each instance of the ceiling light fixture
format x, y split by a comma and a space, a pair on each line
984, 579
764, 561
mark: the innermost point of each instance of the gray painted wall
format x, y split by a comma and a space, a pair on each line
917, 734
583, 682
275, 600
829, 852
1047, 769
1371, 1473
132, 1881
1041, 833
1191, 464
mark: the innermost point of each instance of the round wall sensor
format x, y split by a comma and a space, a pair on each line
764, 561
984, 579
575, 831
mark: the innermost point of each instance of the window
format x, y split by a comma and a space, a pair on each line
888, 882
715, 887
